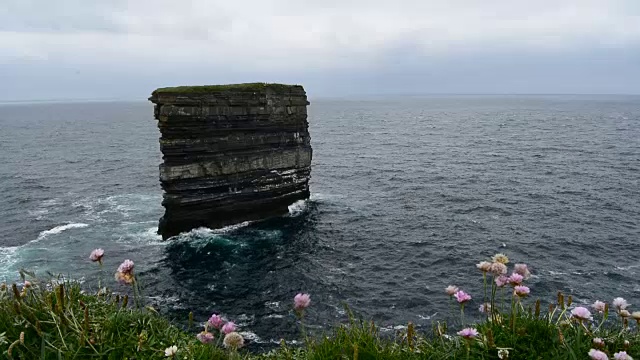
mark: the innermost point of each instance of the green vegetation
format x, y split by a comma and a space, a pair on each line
57, 320
221, 88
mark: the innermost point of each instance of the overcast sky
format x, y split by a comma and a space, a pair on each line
124, 49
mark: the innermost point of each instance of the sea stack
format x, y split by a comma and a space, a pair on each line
231, 153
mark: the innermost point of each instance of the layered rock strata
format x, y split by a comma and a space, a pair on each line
232, 153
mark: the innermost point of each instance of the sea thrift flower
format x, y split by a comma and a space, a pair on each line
625, 313
635, 314
523, 270
598, 342
301, 301
126, 266
205, 337
500, 258
468, 333
229, 327
581, 313
598, 306
451, 289
501, 280
96, 255
462, 297
170, 351
216, 321
622, 355
521, 290
515, 279
484, 266
498, 268
27, 284
597, 355
503, 354
233, 340
620, 303
485, 308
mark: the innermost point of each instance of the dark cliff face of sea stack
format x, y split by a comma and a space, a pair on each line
232, 153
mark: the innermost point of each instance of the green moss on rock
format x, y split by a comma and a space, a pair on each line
222, 88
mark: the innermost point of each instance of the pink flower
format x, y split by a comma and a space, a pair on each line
523, 270
468, 333
598, 342
622, 355
126, 267
598, 306
205, 337
451, 289
521, 290
229, 327
27, 283
597, 355
620, 303
515, 279
462, 297
96, 255
581, 313
501, 280
216, 321
498, 268
301, 301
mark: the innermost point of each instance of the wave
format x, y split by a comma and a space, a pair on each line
61, 228
297, 207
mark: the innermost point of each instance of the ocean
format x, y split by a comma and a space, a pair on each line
408, 194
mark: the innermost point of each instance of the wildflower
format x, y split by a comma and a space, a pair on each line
451, 289
468, 333
515, 279
485, 308
216, 321
27, 284
599, 306
635, 315
598, 342
521, 290
229, 327
462, 297
620, 303
500, 258
170, 351
233, 340
624, 313
126, 266
96, 255
501, 280
205, 337
622, 355
523, 270
301, 301
581, 313
597, 355
498, 268
484, 266
503, 354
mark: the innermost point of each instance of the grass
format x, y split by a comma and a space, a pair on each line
220, 88
55, 319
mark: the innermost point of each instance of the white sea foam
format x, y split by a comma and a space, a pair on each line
8, 258
297, 207
61, 228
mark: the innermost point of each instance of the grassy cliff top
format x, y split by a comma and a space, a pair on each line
218, 88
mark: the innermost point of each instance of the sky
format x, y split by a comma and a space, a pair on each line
119, 49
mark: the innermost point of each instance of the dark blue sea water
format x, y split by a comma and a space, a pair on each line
408, 194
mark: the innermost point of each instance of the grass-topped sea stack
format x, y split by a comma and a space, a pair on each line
232, 153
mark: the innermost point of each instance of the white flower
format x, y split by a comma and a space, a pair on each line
503, 354
620, 303
170, 351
